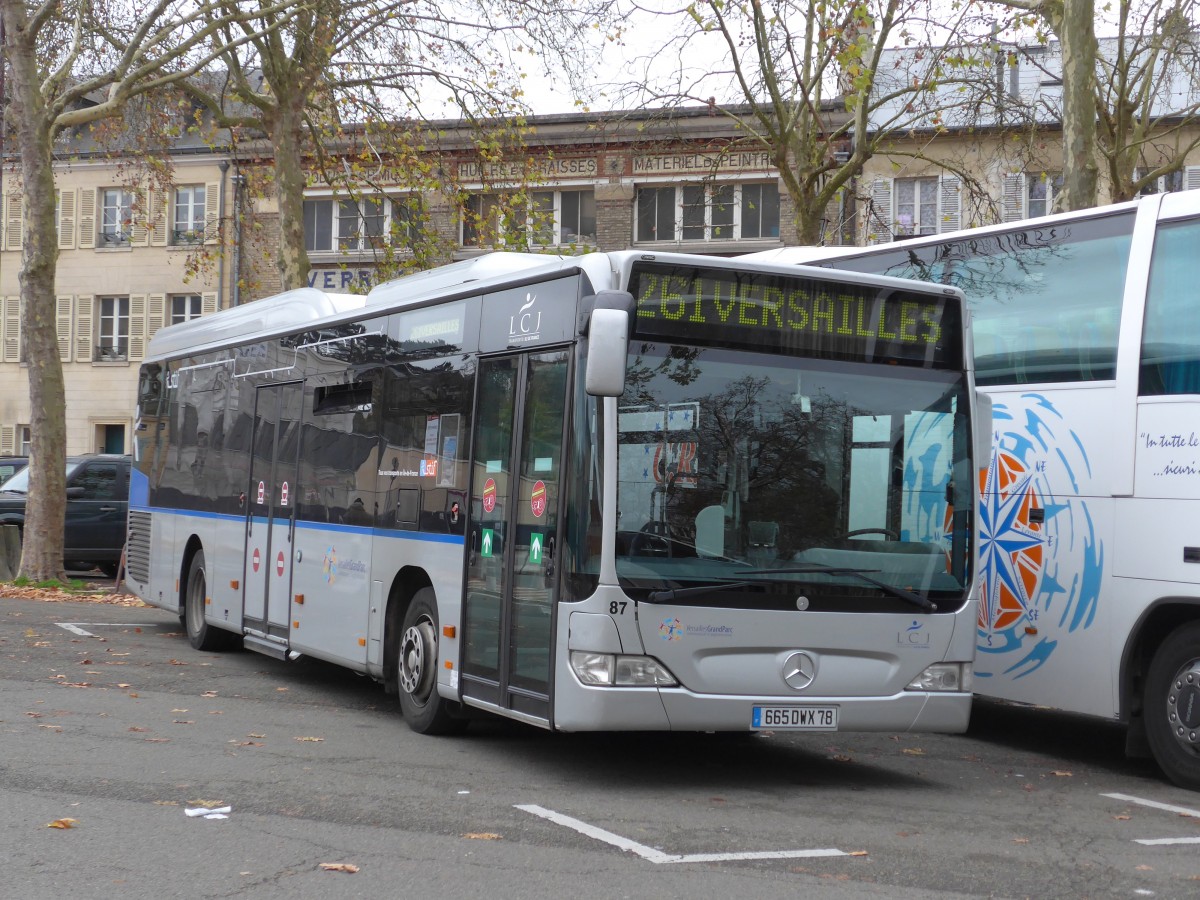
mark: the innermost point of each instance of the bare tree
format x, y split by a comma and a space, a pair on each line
1148, 94
362, 74
816, 84
1073, 23
73, 63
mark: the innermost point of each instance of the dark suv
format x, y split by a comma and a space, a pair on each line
10, 466
97, 504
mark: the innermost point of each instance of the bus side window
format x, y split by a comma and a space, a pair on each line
1171, 334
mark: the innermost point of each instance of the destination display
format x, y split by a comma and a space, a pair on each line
800, 316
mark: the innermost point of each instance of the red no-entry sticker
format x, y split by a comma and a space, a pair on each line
489, 495
256, 560
537, 500
279, 563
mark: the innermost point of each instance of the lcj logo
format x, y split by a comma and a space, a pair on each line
525, 326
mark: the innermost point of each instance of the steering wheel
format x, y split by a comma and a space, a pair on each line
886, 532
651, 541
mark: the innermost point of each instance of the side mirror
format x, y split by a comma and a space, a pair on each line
608, 347
76, 493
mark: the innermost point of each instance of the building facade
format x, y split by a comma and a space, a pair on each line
136, 254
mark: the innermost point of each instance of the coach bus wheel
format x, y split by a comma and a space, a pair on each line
1172, 706
416, 658
200, 634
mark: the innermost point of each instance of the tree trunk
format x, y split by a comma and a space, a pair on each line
1078, 39
292, 260
42, 545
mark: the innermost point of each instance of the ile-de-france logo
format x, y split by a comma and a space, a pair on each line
1040, 559
526, 325
670, 630
329, 565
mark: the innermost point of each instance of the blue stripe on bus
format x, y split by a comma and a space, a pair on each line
430, 536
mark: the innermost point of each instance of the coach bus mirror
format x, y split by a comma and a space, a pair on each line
608, 345
983, 430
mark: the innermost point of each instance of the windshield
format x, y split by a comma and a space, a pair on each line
19, 483
767, 481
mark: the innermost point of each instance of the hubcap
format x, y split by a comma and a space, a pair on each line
418, 649
1183, 705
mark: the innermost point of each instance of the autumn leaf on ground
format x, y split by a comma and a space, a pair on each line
482, 836
62, 823
1020, 840
1062, 774
349, 868
209, 694
839, 757
175, 662
207, 804
311, 740
913, 751
1121, 818
1144, 868
256, 736
857, 853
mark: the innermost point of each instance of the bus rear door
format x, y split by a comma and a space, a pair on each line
271, 504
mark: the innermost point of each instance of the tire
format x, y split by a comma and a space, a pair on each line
200, 634
416, 661
1171, 706
109, 569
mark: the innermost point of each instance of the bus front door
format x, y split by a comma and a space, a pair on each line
511, 580
270, 505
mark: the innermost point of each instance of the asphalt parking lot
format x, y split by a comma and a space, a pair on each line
109, 719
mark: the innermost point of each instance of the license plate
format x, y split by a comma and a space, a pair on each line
797, 718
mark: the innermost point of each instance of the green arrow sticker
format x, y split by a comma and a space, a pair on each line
536, 541
485, 544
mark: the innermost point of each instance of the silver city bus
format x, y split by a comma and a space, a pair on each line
617, 491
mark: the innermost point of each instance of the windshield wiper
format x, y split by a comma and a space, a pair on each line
670, 594
922, 603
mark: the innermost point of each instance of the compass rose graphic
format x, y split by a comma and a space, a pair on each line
1040, 559
1012, 544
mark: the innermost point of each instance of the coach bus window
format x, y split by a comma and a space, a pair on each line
1046, 301
1171, 335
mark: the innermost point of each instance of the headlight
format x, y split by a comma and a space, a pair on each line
608, 670
944, 677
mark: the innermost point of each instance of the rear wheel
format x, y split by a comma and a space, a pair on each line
416, 656
200, 634
1172, 706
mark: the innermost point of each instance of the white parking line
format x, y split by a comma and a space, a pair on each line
1154, 804
657, 856
74, 628
1165, 807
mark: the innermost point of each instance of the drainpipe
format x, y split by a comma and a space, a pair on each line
239, 182
224, 164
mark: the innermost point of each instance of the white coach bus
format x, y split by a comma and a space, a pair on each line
1087, 338
619, 491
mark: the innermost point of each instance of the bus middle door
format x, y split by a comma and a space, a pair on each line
511, 585
271, 503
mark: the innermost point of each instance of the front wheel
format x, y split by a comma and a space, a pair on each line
426, 711
1172, 706
200, 634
